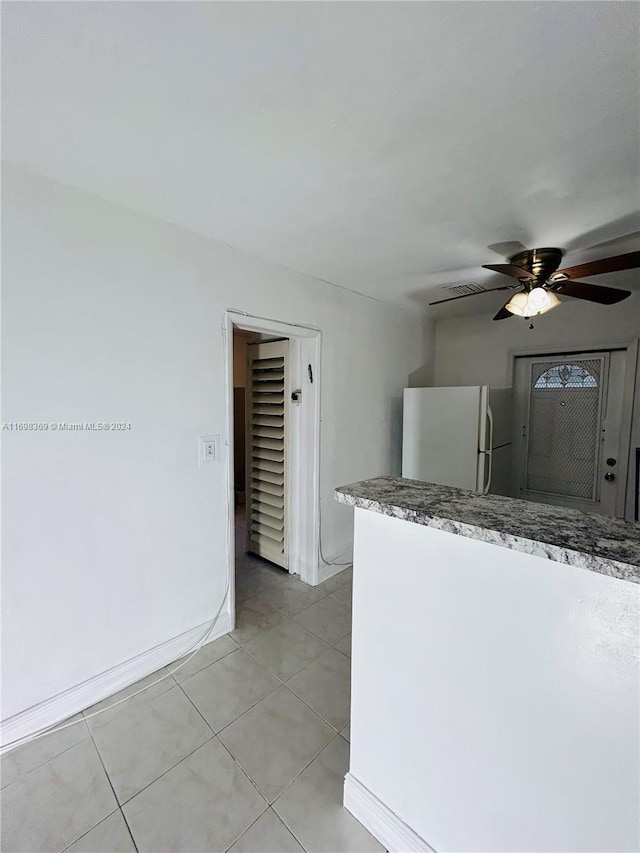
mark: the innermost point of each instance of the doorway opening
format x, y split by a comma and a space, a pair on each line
273, 435
250, 505
572, 427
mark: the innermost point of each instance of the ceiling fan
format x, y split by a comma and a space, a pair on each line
539, 281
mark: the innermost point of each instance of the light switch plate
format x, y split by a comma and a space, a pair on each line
208, 449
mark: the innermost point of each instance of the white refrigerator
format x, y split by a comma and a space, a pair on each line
459, 436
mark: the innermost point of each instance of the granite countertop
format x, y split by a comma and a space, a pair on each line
610, 546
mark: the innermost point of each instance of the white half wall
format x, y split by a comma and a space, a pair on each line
115, 542
495, 697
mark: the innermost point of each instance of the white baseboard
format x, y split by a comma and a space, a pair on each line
326, 572
392, 832
83, 695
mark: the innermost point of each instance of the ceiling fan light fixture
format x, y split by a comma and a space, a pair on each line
552, 301
518, 303
529, 304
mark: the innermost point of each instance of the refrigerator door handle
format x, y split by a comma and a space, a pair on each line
489, 451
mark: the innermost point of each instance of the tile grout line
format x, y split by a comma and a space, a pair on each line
281, 683
233, 758
247, 829
324, 596
197, 710
123, 705
253, 657
286, 825
47, 760
226, 654
284, 684
331, 726
296, 579
242, 643
126, 823
128, 800
302, 667
84, 834
255, 784
164, 772
331, 645
115, 796
262, 593
257, 702
340, 650
277, 817
239, 717
293, 693
251, 780
335, 735
246, 772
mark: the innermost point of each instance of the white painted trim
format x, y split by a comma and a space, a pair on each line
83, 695
631, 394
227, 342
304, 442
304, 448
560, 349
390, 830
328, 571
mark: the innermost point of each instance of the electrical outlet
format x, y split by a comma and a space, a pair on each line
208, 449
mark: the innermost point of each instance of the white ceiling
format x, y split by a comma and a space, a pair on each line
380, 146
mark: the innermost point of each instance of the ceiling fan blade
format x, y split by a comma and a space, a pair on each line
503, 314
627, 227
591, 292
621, 262
507, 249
477, 293
509, 269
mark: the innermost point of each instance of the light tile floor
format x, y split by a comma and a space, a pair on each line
244, 749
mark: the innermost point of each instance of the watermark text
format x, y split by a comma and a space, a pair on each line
66, 426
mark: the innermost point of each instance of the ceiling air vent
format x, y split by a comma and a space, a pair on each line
463, 289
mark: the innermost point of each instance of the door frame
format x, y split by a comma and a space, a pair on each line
630, 394
303, 442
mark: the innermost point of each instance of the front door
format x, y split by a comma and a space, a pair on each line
567, 442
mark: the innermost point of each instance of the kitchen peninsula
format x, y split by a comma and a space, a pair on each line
495, 673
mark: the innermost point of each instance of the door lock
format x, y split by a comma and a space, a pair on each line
609, 476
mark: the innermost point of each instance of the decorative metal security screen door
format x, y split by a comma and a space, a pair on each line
570, 415
563, 434
267, 416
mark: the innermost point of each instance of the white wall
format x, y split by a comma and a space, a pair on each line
495, 694
115, 542
476, 350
